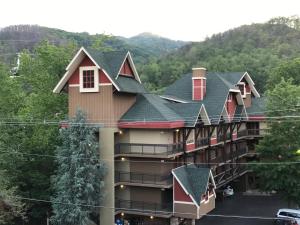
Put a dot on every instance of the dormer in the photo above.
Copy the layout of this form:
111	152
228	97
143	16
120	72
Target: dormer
103	84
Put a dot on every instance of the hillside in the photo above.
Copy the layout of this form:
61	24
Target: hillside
256	48
14	39
155	44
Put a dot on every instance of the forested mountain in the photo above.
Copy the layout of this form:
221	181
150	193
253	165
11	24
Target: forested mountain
256	48
155	44
16	38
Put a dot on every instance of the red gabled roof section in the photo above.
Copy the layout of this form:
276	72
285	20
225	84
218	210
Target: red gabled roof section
86	61
151	124
126	69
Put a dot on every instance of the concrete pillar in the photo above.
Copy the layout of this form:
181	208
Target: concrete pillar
193	222
106	142
174	221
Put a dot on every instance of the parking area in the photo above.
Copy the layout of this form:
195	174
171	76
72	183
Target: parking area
244	206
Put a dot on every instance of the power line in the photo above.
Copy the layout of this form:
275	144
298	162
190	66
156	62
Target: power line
146	211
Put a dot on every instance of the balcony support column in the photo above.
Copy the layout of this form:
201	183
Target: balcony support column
106	143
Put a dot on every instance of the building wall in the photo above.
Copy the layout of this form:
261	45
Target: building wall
248	100
147	136
153	195
206	207
92	104
185	210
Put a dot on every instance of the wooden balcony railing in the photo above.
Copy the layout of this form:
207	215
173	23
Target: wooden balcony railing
145	207
202	142
148	149
251	132
140	178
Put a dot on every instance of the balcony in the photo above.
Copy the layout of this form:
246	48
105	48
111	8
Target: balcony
140	179
202	142
148	150
144	208
252	133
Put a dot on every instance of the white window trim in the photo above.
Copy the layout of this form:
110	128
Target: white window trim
243	83
96	79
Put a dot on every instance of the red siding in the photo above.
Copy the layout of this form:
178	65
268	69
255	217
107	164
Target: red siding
199	89
231	106
126	69
179	194
197	95
74	79
213	141
190	146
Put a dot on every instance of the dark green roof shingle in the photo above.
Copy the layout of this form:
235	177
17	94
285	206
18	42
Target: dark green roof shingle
111	62
194	180
149	108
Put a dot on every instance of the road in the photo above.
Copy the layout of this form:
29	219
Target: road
240	205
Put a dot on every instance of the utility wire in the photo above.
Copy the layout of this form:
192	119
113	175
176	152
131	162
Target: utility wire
146	211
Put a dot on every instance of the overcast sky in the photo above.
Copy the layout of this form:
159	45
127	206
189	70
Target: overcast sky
190	20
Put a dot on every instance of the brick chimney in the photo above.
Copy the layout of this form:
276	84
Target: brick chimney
199	83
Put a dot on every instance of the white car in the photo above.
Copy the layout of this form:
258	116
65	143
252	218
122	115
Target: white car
289	214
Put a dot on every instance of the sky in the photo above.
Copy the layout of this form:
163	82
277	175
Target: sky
188	20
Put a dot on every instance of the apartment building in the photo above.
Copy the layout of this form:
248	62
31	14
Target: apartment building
167	155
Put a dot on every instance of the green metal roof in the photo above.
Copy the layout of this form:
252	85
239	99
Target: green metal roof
218	86
188	112
149	108
111	62
194	180
258	107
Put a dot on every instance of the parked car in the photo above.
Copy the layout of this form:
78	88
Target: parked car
228	191
288	217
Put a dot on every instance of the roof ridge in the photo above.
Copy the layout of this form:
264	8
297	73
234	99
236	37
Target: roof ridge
155	104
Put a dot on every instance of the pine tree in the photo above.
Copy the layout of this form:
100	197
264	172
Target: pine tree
79	180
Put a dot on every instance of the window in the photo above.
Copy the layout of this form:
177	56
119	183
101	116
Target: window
242	88
89	79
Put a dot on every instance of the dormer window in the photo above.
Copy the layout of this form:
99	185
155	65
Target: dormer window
230	97
89	79
242	88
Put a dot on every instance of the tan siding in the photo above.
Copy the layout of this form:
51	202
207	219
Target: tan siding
92	104
122	102
151	136
207	207
185	210
104	106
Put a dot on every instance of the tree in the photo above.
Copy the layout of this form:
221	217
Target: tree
288	70
281	143
29	99
79	179
10	205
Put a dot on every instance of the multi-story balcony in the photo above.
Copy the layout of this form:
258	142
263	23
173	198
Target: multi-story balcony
142	179
144	208
149	150
202	142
